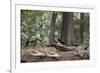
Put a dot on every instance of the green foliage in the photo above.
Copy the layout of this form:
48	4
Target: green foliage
34	27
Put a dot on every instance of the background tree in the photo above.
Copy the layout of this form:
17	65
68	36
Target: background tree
82	28
52	28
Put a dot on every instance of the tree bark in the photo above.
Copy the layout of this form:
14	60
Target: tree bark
67	31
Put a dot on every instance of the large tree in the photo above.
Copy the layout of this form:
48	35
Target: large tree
67	31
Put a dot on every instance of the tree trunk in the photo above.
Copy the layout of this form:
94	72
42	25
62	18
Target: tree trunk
52	28
82	28
67	32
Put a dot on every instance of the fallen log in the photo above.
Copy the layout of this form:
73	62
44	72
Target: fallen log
30	56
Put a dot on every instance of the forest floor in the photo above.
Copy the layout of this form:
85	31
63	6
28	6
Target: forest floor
52	54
